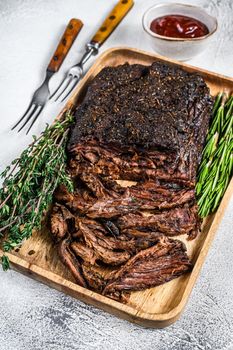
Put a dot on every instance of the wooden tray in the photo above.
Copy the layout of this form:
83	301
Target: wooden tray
155	307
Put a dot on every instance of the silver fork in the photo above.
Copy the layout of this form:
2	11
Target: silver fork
76	72
41	95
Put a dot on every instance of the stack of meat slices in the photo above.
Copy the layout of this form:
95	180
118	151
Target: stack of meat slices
133	156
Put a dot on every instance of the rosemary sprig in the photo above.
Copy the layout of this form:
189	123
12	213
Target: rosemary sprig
29	183
216	168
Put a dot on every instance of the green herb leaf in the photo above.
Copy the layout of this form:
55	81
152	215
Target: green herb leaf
5	263
29	183
216	168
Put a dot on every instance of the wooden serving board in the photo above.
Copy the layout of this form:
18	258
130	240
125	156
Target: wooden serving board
155	307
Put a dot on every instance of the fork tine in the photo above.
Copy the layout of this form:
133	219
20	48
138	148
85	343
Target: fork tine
35	118
69	80
59	86
28	109
29	117
69	92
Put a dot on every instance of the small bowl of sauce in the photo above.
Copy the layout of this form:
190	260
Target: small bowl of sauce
179	31
178	26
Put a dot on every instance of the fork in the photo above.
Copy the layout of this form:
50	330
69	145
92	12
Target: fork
76	72
41	95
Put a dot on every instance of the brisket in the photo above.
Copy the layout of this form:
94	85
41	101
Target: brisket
160	106
161	263
70	260
95	241
171	222
84	252
133	155
60	218
95	280
144	197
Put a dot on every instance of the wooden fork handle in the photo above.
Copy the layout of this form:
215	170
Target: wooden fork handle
73	28
112	21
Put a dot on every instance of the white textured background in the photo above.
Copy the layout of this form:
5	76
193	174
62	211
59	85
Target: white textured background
33	316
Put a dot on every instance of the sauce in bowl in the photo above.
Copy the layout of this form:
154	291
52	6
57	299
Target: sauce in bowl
178	26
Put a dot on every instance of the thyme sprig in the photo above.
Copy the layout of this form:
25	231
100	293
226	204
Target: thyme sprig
29	183
216	168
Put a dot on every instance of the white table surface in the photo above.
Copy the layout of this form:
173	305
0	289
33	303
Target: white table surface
33	316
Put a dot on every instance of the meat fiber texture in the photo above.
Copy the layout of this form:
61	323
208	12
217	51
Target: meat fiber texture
133	155
157	107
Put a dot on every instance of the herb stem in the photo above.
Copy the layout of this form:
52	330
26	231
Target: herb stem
215	170
29	183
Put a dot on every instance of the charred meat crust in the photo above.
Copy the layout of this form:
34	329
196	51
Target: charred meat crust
146	125
160	106
143	90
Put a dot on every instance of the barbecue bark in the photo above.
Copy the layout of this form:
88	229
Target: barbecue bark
145	125
157	107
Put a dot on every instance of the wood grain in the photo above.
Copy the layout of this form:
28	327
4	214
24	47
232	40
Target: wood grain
73	28
155	307
114	18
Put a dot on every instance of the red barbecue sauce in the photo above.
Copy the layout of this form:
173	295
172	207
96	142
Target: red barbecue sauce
178	26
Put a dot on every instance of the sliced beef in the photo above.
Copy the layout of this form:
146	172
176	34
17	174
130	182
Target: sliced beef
111	228
160	196
146	196
60	216
145	125
61	194
110	208
70	260
171	222
95	185
143	234
151	267
161	106
111	203
95	280
80	200
108	256
128	157
82	251
135	166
